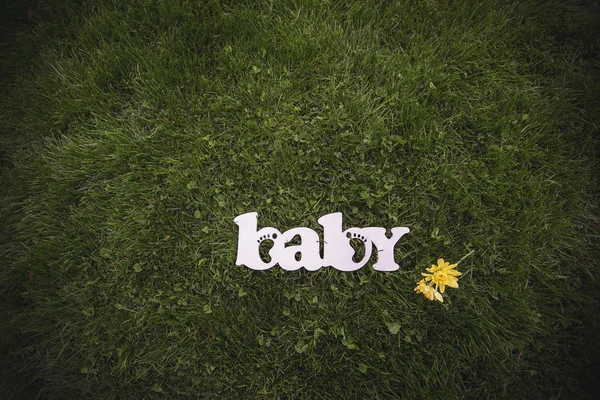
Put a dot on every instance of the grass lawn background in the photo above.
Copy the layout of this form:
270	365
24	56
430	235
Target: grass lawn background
133	133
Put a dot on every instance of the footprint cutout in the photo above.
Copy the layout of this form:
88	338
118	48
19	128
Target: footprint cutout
359	251
265	244
359	237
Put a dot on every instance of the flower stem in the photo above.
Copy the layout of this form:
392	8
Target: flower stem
471	252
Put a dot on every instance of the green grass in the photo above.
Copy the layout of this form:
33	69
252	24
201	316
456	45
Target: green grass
133	133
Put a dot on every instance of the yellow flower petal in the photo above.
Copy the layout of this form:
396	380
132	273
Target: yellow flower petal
452	284
439	297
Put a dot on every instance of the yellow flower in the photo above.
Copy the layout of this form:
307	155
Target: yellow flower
443	274
428	291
